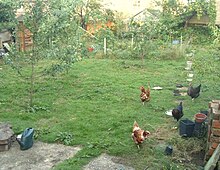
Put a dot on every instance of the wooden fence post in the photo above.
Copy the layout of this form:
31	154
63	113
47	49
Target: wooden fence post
105	49
132	40
211	164
0	43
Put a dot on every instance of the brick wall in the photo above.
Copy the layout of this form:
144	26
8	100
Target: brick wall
213	138
218	12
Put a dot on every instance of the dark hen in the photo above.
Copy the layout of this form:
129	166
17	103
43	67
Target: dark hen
177	113
194	92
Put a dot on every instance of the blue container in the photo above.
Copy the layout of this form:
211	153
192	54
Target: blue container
26	140
175	42
186	128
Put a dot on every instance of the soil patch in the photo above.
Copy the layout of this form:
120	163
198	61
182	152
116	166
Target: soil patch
106	162
42	156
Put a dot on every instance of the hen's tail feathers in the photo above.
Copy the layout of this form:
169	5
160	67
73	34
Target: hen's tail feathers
197	89
135	124
142	89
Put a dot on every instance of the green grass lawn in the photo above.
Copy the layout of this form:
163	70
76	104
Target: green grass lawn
98	101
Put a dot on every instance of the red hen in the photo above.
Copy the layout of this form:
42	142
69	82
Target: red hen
145	94
139	135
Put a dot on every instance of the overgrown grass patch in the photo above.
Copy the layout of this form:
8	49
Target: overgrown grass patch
97	103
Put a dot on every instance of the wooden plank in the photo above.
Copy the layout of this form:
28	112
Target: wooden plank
0	43
217	12
211	164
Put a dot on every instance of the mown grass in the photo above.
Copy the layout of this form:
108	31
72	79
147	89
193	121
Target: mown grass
98	101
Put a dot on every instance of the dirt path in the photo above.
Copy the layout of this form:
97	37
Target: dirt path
44	156
41	156
106	162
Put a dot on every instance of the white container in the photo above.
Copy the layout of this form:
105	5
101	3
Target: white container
190	75
188	65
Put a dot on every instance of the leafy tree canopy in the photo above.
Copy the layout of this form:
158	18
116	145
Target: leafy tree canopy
7	15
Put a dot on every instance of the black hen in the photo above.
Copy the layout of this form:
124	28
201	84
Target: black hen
177	113
193	92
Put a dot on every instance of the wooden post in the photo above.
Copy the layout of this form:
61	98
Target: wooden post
105	49
88	32
211	164
181	45
132	40
0	43
181	40
22	36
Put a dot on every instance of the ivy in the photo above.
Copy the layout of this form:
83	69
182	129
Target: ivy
201	7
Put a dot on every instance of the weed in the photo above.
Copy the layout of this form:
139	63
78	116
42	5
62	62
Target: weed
38	133
64	137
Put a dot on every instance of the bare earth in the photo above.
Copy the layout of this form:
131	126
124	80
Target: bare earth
41	156
106	162
44	156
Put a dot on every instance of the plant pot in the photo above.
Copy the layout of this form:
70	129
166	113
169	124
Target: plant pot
200	117
90	49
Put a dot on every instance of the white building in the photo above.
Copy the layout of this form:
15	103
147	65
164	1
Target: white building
130	8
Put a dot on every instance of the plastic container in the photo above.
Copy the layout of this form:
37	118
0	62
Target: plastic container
200	117
90	49
186	128
169	150
26	140
200	129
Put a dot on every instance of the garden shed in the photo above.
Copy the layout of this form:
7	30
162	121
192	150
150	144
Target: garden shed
24	40
204	20
24	36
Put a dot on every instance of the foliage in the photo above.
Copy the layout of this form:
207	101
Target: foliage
201	8
99	99
49	24
207	62
7	14
91	11
153	37
39	132
64	137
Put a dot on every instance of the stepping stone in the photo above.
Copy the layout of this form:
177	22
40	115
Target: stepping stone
190	75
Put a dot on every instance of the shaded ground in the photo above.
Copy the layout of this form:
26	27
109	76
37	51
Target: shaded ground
41	156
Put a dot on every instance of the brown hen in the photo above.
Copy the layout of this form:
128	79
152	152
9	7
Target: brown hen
145	94
139	135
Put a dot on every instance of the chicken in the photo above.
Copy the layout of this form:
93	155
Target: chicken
139	135
177	113
145	94
193	92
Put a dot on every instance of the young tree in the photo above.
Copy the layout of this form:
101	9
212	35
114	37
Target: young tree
56	40
57	36
91	10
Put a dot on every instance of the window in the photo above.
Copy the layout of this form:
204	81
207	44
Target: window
137	3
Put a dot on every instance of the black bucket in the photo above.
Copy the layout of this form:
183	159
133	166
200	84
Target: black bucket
186	128
200	129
